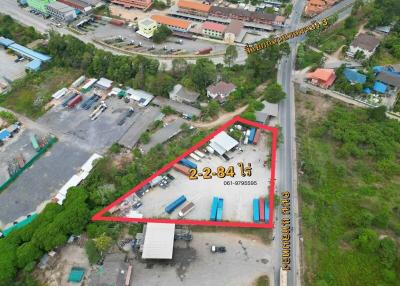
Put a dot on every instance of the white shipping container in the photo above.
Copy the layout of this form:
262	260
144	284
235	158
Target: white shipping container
200	154
194	156
209	149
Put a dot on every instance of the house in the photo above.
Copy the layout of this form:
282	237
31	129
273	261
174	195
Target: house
364	43
181	94
194	8
213	30
322	77
315	7
147	27
380	87
390	78
354	76
177	25
220	91
270	110
233	32
138	4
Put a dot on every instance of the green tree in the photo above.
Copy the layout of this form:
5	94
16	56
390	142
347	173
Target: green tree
92	251
161	34
8	261
179	67
103	243
231	55
273	93
27	253
212	109
145	137
203	74
367	240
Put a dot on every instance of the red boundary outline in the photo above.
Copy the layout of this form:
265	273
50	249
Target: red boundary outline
99	216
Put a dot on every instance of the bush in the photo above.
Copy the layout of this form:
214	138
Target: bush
92	252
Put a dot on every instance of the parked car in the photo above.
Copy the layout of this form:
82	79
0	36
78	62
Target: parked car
219	249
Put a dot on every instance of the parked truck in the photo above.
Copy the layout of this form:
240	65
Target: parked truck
257	136
186	209
188	163
182	169
256	210
172	206
262	209
214	207
220	209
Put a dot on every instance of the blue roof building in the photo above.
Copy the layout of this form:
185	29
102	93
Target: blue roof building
354	76
380	87
4	134
367	90
34	65
6	42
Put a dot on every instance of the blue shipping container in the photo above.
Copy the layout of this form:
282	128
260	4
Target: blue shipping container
252	134
214	206
220	209
266	210
172	206
256	210
188	163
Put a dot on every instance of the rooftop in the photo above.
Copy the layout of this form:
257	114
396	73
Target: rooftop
183	93
354	76
158	241
222	142
194	6
234	27
390	78
213	26
161	19
221	88
365	42
321	74
60	6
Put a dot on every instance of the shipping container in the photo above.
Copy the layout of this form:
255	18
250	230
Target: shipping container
117	22
182	169
262	209
188	163
204	51
200	154
252	134
172	206
186	209
220	209
214	207
266	210
209	149
34	142
194	156
65	103
257	136
75	101
256	211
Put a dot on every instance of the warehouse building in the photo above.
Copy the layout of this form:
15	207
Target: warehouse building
223	143
40	5
143	98
177	25
234	32
80	5
61	12
158	241
104	83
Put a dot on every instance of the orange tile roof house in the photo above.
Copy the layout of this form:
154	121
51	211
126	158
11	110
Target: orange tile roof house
322	77
172	23
139	4
194	8
315	7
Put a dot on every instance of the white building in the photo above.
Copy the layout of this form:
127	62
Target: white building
147	27
104	83
364	43
158	241
223	143
61	11
181	94
143	98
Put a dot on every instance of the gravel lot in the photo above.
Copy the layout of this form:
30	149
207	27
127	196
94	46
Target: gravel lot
237	199
193	264
10	69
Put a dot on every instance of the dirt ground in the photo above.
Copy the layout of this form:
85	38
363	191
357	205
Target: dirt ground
70	256
312	107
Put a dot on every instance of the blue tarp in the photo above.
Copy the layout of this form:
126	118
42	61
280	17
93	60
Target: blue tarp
367	90
354	76
380	87
4	134
378	68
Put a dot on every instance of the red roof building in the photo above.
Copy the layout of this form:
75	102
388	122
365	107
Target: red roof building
322	77
193	8
139	4
213	30
172	23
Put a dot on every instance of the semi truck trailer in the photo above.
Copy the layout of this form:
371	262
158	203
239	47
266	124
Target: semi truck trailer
220	209
186	209
252	134
256	210
172	206
182	169
188	163
257	136
214	207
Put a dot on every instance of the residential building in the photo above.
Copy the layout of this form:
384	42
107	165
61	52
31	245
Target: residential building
174	24
147	27
80	5
220	91
61	11
390	78
213	30
270	110
315	7
233	32
380	87
364	43
181	94
194	8
354	76
322	77
40	5
138	4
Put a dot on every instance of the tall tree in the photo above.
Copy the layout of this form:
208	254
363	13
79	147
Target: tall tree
231	55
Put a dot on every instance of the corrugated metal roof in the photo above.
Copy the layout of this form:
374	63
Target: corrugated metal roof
169	21
6	42
354	76
29	53
223	143
158	241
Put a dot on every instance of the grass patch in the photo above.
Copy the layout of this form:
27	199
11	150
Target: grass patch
8	117
30	94
264	234
307	57
262	281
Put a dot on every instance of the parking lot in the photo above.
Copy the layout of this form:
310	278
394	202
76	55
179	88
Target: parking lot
9	69
246	259
238	199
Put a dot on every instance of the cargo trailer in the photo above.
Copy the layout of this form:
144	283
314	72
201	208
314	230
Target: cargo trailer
186	209
220	209
257	136
252	134
266	210
200	154
256	211
262	209
172	206
204	51
188	163
214	207
182	169
65	103
209	149
75	101
194	156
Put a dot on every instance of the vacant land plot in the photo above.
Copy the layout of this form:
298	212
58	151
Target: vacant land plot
30	94
10	69
193	264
